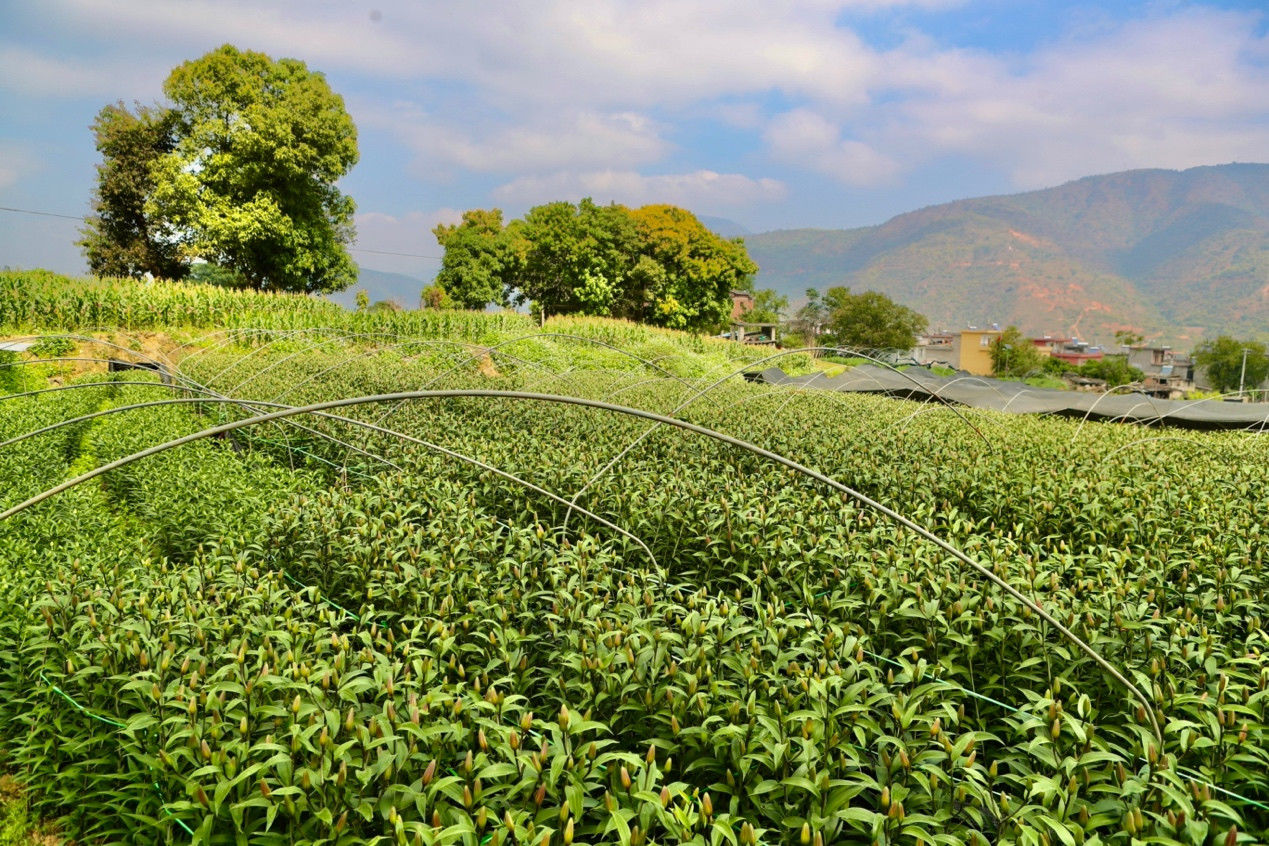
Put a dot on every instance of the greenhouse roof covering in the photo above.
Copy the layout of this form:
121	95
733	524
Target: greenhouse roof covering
999	395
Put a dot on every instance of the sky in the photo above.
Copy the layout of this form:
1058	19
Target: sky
775	115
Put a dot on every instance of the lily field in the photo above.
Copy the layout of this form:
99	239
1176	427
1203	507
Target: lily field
457	578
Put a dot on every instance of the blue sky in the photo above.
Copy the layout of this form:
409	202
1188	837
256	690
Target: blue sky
825	113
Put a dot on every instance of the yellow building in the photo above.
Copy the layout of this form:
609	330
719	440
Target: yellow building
972	350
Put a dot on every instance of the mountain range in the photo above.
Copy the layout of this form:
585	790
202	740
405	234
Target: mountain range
1173	255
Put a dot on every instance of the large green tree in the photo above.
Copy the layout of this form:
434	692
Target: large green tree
698	269
573	259
479	260
249	182
119	238
869	320
1222	358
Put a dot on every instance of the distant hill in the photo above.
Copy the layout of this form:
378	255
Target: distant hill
723	227
381	285
1172	254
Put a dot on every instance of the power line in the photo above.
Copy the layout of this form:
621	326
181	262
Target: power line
43	213
390	253
83	218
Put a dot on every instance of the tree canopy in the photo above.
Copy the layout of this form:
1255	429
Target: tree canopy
656	264
1222	358
120	239
245	177
1013	354
478	256
768	306
691	272
573	259
868	320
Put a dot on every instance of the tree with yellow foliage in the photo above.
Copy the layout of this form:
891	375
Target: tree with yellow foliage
656	264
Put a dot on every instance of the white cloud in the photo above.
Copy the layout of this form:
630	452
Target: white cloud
325	33
1172	91
39	75
408	233
874	5
16	163
701	190
808	139
568	98
582	140
680	51
594	55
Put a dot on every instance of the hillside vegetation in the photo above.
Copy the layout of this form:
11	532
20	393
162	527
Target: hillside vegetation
1171	254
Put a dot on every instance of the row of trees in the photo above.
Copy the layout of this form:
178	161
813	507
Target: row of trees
656	264
233	179
1230	364
233	182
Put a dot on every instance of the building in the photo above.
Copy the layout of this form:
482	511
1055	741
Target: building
972	350
755	333
935	348
741	302
1168	374
1071	350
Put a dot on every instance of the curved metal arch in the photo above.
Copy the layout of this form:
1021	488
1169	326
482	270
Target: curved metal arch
88	339
535	336
393	347
859	497
511	477
497	348
206	396
165	371
1196	402
599	474
227	337
167	364
81	385
594	341
926	405
335	337
1103	395
231	336
1139	441
845	350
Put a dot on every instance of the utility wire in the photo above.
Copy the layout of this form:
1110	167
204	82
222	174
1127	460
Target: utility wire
83	218
391	253
43	213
